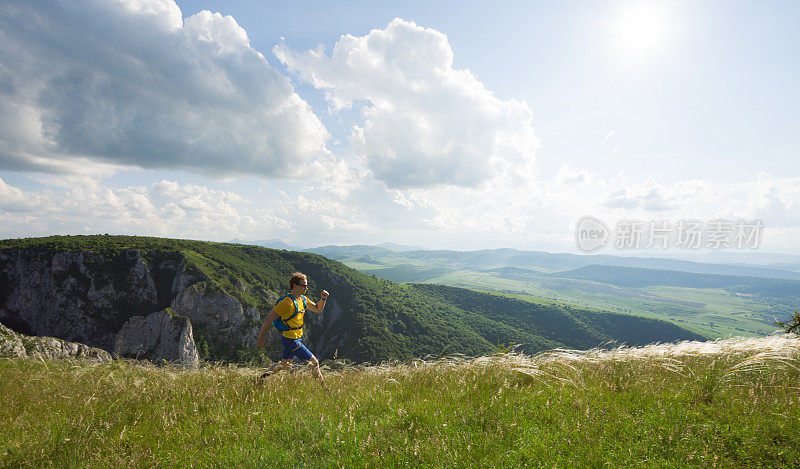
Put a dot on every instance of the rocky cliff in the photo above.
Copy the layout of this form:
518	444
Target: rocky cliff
87	297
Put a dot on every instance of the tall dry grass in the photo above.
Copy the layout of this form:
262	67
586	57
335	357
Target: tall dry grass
731	402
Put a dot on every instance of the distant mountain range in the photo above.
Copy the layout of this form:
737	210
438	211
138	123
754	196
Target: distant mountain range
280	244
550	262
768	265
268	243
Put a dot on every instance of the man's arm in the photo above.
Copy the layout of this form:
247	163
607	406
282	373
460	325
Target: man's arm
273	315
317	307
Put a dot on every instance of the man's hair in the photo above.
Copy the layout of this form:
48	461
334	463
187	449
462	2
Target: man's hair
295	280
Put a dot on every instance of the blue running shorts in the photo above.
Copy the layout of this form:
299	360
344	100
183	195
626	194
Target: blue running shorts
295	348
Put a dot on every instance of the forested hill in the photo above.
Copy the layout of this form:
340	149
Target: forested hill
367	319
572	326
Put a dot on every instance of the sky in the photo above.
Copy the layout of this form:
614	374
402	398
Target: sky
448	125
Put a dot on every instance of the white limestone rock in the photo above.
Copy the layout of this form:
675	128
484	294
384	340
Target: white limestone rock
218	313
11	343
15	345
163	335
52	348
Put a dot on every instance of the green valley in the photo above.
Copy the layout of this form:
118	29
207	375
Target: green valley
710	299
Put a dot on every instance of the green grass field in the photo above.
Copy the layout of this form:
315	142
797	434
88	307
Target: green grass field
733	403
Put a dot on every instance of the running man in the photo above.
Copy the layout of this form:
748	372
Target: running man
290	310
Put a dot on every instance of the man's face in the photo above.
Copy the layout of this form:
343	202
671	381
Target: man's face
301	287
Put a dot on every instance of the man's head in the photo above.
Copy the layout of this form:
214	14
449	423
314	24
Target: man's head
298	279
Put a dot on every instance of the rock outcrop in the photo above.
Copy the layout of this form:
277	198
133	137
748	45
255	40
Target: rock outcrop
14	345
160	336
221	315
11	344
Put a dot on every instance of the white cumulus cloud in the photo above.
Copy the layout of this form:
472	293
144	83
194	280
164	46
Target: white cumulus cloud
130	83
165	208
425	122
649	196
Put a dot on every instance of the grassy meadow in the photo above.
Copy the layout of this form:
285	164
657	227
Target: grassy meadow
727	403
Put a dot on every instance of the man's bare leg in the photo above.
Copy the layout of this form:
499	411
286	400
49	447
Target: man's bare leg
313	363
277	366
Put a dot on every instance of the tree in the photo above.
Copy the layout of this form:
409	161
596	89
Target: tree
793	325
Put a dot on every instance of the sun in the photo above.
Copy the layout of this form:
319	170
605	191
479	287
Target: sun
642	28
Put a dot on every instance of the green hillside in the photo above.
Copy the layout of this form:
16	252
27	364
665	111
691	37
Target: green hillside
558	322
379	319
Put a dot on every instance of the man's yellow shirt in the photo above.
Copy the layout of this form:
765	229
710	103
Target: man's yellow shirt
285	308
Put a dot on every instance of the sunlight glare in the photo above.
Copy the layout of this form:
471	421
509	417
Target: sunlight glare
641	28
